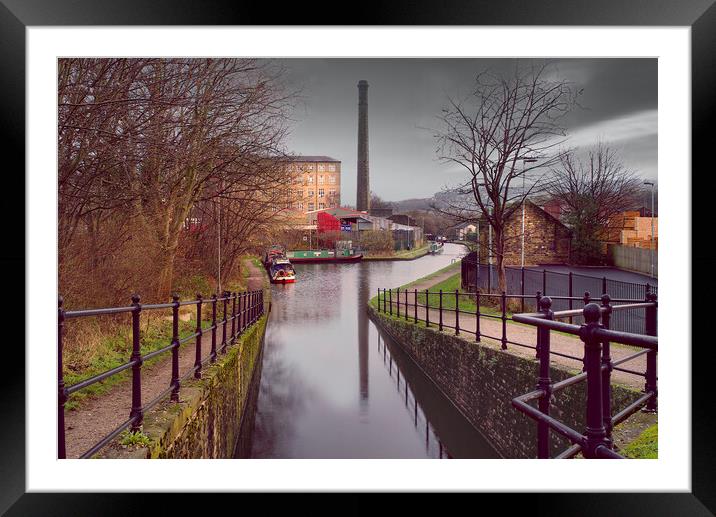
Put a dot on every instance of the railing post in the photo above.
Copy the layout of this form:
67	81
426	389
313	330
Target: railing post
604	285
457	313
489	278
243	312
175	348
570	295
440	326
416	306
477	316
379	299
503	303
651	330
427	308
224	296
544	282
397	299
213	328
199	332
61	390
587	297
136	411
522	289
607	372
539	297
233	317
406	305
385	300
390	301
252	301
596	433
544	382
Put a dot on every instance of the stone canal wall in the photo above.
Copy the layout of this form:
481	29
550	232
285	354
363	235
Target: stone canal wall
208	418
481	382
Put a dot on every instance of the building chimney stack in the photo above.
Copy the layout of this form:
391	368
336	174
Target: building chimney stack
363	193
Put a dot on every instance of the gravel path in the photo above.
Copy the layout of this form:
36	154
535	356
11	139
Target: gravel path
100	415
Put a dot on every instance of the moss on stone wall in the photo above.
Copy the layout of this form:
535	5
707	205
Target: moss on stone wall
205	423
482	381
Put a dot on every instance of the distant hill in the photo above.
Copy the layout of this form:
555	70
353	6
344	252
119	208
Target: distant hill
412	204
426	202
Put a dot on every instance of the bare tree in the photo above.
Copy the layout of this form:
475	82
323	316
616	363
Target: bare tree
593	190
490	134
378	202
142	141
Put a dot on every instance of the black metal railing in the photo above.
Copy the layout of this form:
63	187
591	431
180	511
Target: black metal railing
562	287
240	309
596	441
597	369
406	301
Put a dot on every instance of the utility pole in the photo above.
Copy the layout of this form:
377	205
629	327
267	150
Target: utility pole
219	246
524	198
651	250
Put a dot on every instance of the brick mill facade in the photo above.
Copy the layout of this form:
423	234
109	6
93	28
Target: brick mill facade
547	240
315	183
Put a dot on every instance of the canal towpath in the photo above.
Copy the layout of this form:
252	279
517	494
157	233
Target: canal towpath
515	332
100	414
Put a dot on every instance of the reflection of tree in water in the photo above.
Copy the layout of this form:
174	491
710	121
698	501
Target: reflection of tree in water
282	395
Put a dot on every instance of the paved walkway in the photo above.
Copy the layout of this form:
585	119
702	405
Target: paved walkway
100	415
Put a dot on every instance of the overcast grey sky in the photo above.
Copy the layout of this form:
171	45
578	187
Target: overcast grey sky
619	106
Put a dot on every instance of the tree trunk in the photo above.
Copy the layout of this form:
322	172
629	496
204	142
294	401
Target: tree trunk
499	252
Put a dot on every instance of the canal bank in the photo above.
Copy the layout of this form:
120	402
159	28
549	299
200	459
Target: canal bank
481	381
401	255
214	411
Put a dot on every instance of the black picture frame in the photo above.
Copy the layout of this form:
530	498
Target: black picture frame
700	15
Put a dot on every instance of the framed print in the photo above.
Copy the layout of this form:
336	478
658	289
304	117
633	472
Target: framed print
307	256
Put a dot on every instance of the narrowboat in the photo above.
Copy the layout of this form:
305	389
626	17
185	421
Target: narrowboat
435	248
343	252
315	256
281	271
272	253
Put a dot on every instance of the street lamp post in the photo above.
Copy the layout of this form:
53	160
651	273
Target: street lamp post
651	254
524	160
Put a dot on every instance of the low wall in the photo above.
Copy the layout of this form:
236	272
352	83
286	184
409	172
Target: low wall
207	421
481	382
633	259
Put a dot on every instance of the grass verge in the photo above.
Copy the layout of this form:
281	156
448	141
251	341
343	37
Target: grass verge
646	445
401	255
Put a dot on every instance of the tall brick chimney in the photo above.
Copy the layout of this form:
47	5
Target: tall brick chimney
363	192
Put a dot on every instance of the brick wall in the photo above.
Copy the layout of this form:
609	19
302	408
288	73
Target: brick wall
547	241
482	381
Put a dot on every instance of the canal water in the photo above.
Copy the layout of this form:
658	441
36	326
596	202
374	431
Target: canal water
333	386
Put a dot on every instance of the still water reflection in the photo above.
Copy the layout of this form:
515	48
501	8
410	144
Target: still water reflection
333	386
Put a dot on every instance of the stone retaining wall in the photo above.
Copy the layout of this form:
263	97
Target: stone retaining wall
207	420
482	381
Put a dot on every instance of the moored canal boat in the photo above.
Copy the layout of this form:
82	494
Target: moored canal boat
315	256
435	247
272	253
281	271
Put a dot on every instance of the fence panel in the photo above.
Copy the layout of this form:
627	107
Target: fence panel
557	284
552	283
